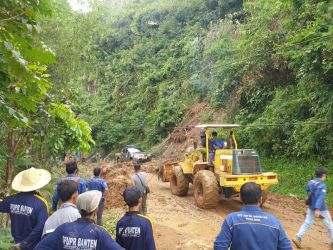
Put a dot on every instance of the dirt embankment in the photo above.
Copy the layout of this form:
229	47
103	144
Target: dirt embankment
118	177
184	135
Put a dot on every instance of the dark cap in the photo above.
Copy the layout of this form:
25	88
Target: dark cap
132	195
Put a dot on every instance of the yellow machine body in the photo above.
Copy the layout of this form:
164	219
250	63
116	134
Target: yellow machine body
224	165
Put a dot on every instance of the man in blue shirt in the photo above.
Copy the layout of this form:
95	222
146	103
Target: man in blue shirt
316	190
135	231
72	171
97	183
83	233
27	209
213	144
251	228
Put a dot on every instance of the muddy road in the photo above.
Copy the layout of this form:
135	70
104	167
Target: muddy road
179	224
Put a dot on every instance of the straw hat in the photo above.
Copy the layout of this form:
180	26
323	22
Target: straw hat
31	179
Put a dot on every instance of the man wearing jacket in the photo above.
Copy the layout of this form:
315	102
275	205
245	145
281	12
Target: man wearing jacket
251	228
27	209
134	231
316	190
72	171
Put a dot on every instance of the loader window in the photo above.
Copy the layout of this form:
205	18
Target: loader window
246	164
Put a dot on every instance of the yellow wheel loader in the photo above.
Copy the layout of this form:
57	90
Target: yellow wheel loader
216	171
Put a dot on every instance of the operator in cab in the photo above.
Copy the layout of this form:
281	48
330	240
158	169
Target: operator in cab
213	144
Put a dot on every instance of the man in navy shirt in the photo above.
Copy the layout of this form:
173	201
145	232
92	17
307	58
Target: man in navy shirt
83	233
97	183
251	228
27	209
72	171
135	231
316	190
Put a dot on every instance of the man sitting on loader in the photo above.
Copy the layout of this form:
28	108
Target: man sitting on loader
213	144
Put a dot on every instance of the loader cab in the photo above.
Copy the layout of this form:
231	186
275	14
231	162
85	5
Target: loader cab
230	143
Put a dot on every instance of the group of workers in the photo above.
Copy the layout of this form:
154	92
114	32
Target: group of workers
72	225
96	183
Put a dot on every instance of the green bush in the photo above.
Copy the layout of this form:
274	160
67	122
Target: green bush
293	175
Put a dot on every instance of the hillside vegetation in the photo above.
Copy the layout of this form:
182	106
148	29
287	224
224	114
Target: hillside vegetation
131	69
145	62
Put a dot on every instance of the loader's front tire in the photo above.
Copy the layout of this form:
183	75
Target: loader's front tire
179	183
206	189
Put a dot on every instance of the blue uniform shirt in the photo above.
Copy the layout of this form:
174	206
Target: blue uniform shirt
81	188
97	183
138	233
28	213
251	229
318	191
82	234
219	143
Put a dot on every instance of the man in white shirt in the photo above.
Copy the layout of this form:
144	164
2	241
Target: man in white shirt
139	179
68	211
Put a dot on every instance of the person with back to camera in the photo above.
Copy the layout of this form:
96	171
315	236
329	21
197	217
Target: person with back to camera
82	234
139	179
27	209
72	171
251	228
68	211
134	231
97	183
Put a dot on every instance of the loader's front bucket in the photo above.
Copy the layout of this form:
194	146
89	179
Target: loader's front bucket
165	171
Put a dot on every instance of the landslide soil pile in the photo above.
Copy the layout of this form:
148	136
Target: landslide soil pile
184	135
118	177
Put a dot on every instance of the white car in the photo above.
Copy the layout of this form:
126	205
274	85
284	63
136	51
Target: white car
130	153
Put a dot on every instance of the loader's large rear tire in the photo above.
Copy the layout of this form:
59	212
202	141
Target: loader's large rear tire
179	184
206	189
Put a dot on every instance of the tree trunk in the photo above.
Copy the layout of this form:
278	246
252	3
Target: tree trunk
12	147
10	160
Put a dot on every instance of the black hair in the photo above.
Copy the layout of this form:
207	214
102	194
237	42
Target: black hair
133	204
214	133
97	171
320	172
137	167
71	167
85	214
66	190
250	193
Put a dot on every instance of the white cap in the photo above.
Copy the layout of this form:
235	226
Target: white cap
88	201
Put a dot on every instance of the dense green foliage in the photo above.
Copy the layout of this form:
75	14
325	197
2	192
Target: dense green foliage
294	175
283	70
132	68
143	63
37	125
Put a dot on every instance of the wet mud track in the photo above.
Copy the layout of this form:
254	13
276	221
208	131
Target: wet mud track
179	224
